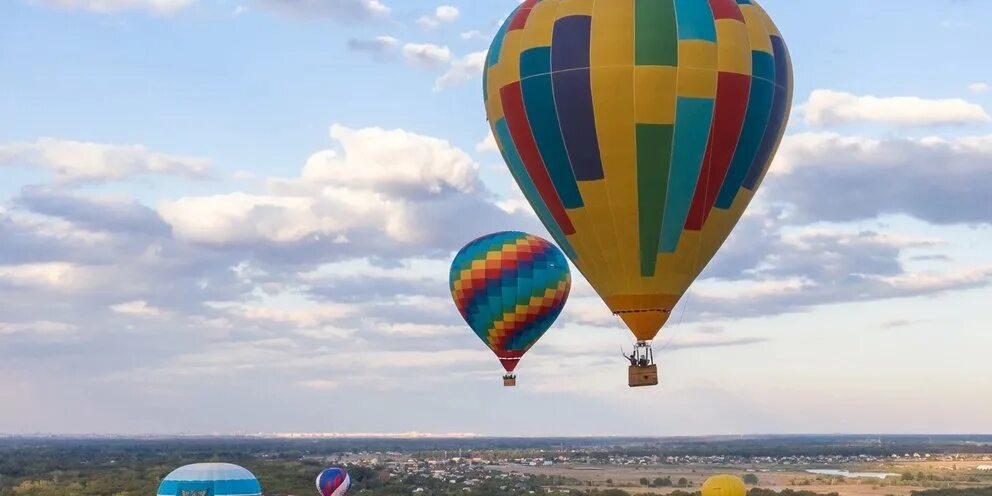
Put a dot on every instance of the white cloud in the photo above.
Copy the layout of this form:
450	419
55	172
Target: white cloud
345	10
488	144
241	217
427	55
827	107
384	191
931	282
462	70
442	14
305	318
381	47
111	6
42	327
424	330
74	161
320	385
137	308
952	24
60	276
446	13
369	186
376	158
979	87
474	34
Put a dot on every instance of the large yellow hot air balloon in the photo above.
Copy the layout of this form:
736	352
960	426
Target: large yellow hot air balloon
639	131
724	485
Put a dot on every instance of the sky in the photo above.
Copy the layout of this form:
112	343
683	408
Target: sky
222	216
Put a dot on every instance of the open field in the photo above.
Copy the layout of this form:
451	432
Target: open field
962	474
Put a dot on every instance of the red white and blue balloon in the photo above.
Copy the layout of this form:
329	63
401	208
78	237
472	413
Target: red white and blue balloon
333	481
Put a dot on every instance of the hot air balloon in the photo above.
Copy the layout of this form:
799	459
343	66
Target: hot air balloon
333	481
639	131
510	287
210	479
724	485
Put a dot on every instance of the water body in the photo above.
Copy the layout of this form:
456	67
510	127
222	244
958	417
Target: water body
847	474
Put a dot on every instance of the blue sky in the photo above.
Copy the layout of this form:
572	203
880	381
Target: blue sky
245	210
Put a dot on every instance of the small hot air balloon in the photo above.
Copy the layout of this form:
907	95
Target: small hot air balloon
639	131
510	287
333	481
724	485
210	479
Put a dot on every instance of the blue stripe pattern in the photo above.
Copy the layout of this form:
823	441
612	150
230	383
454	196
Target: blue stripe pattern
519	172
759	109
539	101
695	20
573	86
778	116
694	117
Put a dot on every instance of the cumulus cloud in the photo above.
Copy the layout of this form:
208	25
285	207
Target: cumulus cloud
383	193
137	308
75	161
93	215
55	276
827	107
393	160
308	317
426	55
979	87
111	6
42	327
462	70
320	385
798	296
830	177
442	14
334	278
488	144
381	48
345	10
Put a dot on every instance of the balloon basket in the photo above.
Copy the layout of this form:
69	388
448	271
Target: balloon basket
643	375
509	380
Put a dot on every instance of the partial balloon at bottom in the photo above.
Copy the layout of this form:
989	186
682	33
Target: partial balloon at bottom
333	481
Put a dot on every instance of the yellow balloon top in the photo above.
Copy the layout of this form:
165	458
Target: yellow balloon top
724	485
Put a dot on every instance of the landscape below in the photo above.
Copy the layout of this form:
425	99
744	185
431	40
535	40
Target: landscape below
777	465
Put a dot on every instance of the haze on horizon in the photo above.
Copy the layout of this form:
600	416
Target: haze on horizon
223	216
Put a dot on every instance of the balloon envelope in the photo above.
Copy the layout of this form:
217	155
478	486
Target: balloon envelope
639	131
333	481
210	479
724	485
510	287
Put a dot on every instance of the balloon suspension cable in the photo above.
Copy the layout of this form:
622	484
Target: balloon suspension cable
622	334
677	326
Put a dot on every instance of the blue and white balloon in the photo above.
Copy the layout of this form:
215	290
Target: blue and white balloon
210	479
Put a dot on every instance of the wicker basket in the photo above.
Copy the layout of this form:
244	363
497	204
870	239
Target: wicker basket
639	376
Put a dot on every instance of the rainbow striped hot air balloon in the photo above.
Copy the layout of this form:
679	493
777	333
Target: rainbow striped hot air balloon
639	130
510	287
